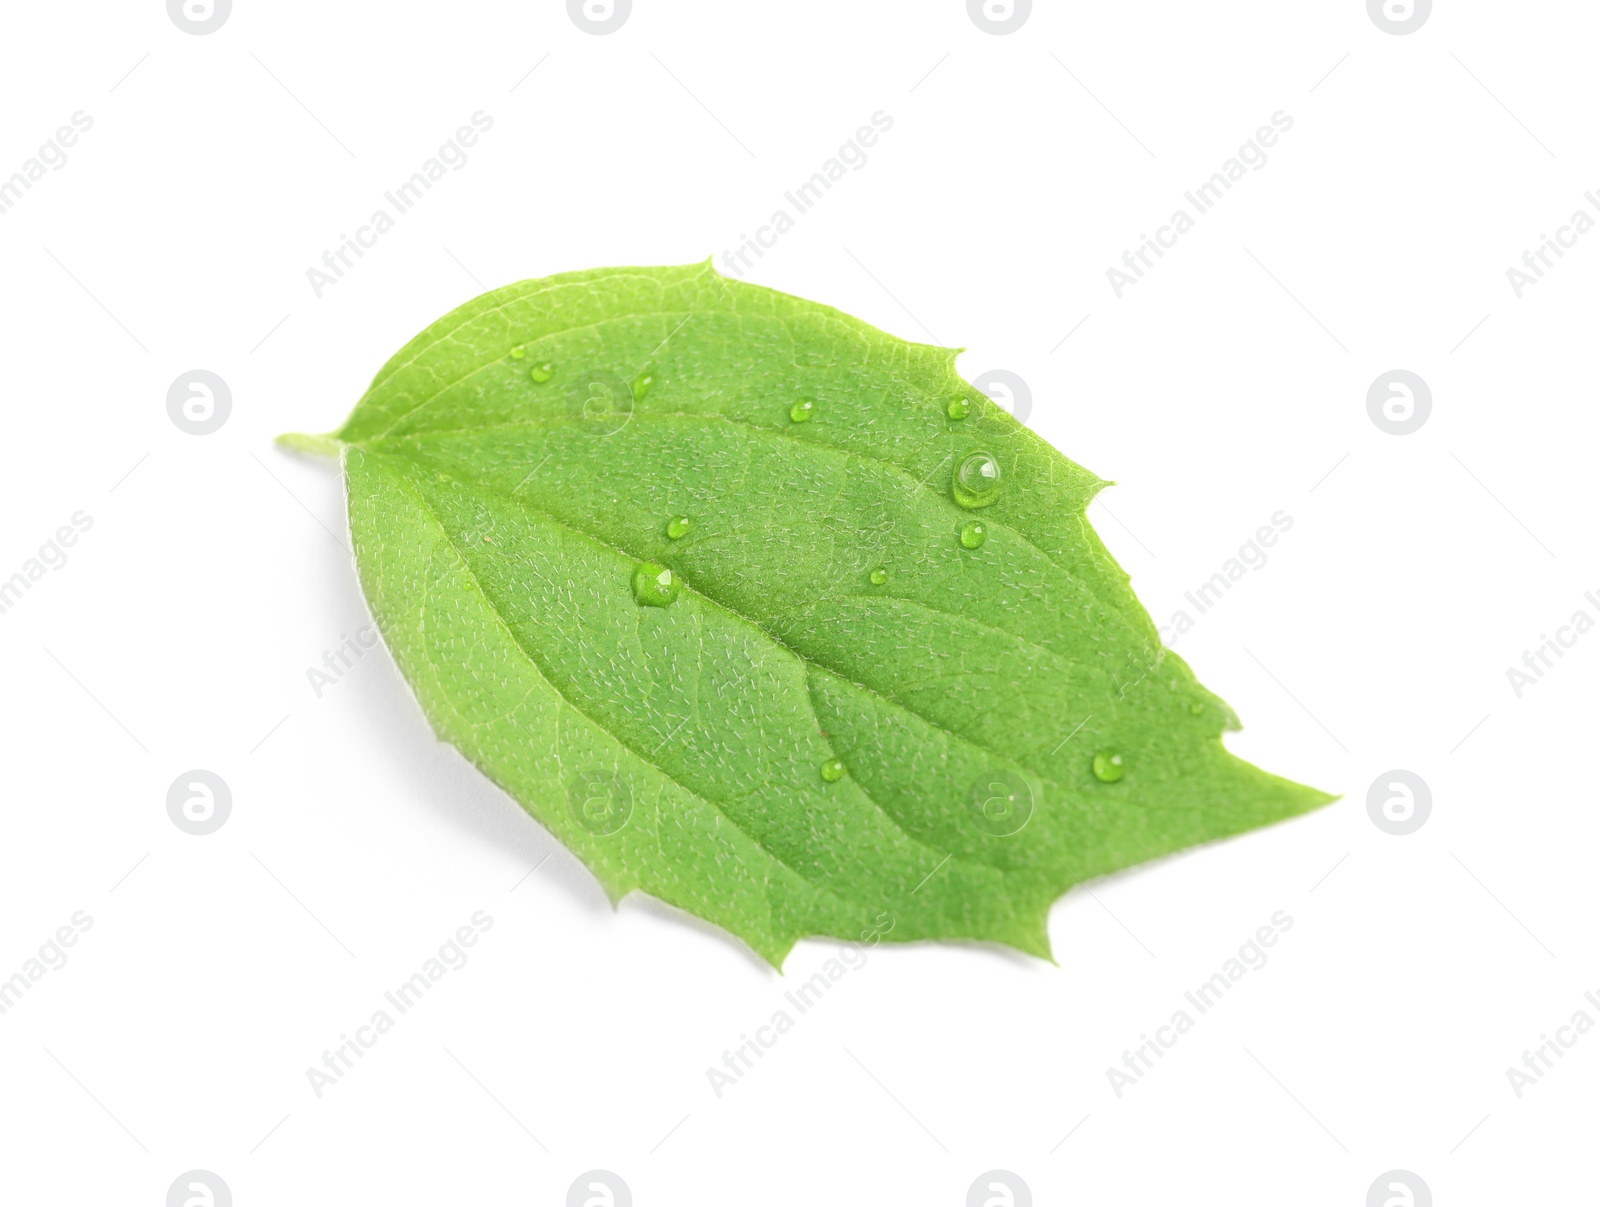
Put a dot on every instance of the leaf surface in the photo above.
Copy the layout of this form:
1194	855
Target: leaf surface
834	715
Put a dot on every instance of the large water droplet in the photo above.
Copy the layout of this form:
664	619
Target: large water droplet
1108	768
973	535
833	770
958	409
542	372
641	385
655	586
977	480
678	526
801	411
879	576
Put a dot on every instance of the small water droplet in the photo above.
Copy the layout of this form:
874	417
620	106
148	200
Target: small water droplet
833	770
879	576
973	535
518	352
641	385
1108	768
977	480
958	409
801	411
542	372
655	586
1197	708
678	526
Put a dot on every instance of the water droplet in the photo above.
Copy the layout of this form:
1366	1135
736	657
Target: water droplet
1108	768
879	576
518	352
833	770
655	586
973	535
542	372
977	480
958	409
641	385
1197	708
801	411
678	526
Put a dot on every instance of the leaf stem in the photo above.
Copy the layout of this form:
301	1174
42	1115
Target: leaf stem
323	446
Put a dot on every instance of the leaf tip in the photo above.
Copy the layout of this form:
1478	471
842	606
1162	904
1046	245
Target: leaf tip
1033	938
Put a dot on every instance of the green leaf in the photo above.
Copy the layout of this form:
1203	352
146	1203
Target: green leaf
679	563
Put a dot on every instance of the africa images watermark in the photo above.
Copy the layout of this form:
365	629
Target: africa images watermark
1251	958
451	957
51	958
1252	555
339	660
1537	261
1543	657
850	958
450	157
1538	1062
851	155
1251	157
52	555
51	156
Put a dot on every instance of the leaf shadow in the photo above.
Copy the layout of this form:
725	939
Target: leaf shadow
665	911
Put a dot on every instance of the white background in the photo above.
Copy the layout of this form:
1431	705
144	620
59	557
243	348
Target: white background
1228	384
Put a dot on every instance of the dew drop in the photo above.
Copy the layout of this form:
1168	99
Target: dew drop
1197	708
977	480
833	770
958	409
655	586
518	352
542	372
678	527
641	385
973	535
879	576
801	411
1108	768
